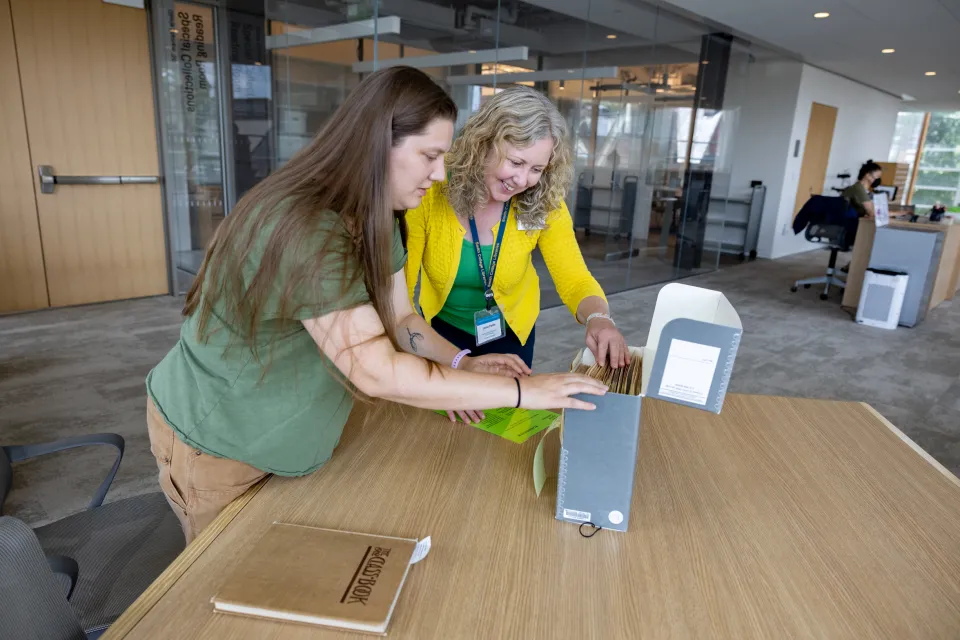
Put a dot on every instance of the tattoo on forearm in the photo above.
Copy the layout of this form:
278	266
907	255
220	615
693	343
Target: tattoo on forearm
414	336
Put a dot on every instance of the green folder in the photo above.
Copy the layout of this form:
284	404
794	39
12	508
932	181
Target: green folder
516	425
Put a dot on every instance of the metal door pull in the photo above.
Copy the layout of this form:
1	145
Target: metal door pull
48	180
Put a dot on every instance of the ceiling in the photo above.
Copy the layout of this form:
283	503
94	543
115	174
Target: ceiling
574	33
559	33
925	34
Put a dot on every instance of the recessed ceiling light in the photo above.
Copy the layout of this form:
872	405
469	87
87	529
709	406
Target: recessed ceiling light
821	14
930	73
612	36
888	51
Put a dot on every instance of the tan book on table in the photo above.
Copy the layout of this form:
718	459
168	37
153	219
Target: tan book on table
318	576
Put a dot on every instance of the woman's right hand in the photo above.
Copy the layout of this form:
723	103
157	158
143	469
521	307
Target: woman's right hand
553	391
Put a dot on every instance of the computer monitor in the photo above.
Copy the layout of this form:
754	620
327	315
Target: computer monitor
891	192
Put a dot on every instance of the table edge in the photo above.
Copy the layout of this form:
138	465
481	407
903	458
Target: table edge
130	618
913	445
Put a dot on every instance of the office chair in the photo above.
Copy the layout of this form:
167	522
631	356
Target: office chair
835	237
98	561
843	178
628	204
33	601
584	204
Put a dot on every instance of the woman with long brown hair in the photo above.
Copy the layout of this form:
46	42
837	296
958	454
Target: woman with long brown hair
301	299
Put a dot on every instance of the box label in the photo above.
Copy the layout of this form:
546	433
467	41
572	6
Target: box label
689	370
573	514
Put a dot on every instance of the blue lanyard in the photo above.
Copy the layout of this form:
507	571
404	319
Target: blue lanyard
495	255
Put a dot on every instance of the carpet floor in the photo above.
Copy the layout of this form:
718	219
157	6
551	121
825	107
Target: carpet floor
81	370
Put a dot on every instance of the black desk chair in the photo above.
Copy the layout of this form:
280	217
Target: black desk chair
72	578
834	236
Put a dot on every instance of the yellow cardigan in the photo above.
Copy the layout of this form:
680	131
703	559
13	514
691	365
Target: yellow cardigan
435	239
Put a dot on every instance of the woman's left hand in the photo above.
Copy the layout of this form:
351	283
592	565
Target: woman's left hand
500	364
603	339
468	416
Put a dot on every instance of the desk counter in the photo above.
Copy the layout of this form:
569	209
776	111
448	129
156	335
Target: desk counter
947	277
779	518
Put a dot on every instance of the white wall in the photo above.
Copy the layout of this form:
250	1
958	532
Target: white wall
864	130
774	100
765	94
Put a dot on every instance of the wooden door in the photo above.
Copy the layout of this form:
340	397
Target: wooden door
88	97
22	283
816	153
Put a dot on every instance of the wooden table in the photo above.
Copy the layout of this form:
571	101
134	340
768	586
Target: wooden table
779	518
947	280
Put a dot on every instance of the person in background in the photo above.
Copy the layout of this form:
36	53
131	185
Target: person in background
301	302
859	194
937	212
471	240
859	197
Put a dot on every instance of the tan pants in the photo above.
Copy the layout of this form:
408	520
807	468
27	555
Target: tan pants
197	485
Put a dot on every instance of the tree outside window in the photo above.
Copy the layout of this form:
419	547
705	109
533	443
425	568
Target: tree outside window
938	177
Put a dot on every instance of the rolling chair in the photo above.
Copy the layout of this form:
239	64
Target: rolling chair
584	204
834	236
845	182
97	561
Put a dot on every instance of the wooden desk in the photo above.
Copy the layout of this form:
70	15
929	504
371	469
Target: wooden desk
948	269
780	518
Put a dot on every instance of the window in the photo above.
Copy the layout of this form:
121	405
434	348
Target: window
938	176
906	141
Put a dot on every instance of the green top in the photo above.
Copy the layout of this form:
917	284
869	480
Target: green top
856	194
466	296
285	419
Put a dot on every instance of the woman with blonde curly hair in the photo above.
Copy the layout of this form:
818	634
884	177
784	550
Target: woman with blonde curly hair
472	236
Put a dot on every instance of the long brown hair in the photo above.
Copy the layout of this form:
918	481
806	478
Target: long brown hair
344	170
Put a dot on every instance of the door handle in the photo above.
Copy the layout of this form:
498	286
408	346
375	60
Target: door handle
48	179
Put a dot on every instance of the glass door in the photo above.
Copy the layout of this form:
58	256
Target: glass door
613	200
190	85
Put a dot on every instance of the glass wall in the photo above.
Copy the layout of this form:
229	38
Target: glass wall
214	90
651	102
189	94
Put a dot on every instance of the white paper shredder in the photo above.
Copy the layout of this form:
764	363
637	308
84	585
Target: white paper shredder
882	298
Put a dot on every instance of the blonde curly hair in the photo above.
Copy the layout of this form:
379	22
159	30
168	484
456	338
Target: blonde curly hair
518	116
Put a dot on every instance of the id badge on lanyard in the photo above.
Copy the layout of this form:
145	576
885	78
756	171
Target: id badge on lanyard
488	323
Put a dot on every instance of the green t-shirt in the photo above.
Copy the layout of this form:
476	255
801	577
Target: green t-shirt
856	194
466	297
287	421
